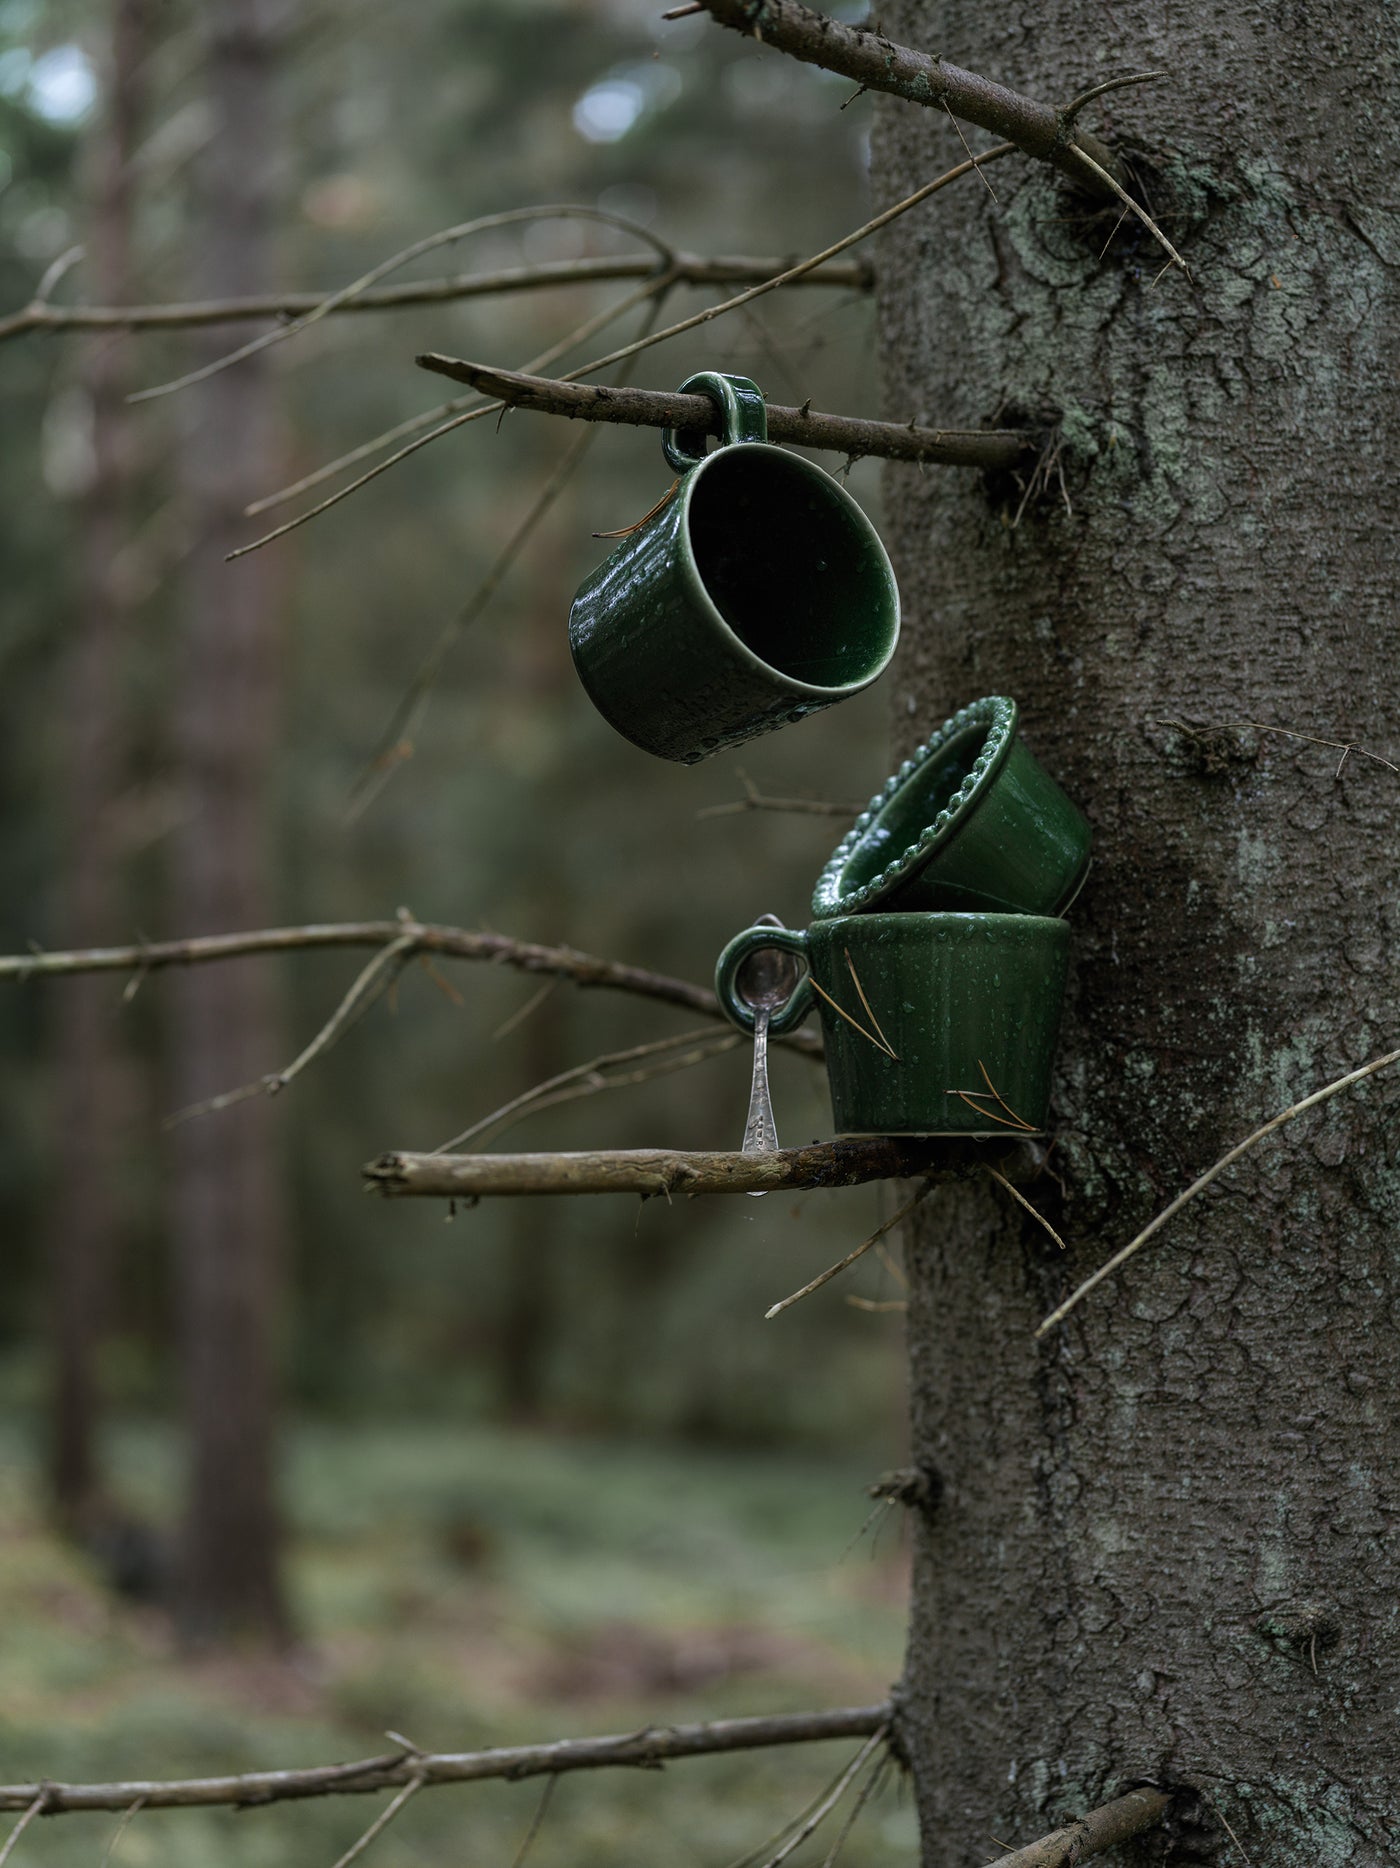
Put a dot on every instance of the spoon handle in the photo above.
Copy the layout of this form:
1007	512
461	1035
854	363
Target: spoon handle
760	1131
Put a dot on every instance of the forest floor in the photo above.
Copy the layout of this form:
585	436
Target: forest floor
467	1588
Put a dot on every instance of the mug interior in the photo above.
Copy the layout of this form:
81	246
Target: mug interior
795	571
903	819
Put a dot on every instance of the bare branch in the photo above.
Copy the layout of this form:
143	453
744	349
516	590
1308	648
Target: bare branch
846	1162
804	427
692	269
35	1802
789	277
1134	207
666	1055
825	1277
652	1746
368	985
386	757
829	1802
1199	1186
447	236
1101	1829
877	63
754	800
1034	1211
452	943
1346	747
459	412
382	1821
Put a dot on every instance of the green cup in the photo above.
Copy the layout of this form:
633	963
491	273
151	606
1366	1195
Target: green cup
759	593
934	1024
972	821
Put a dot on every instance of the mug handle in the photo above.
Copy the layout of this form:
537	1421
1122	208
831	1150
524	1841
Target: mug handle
798	1003
743	411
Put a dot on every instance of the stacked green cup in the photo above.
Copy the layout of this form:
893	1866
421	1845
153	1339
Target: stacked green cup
937	953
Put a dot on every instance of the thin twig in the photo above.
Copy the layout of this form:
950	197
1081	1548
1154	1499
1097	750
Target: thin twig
522	1012
849	435
368	985
1134	207
966	145
1199	1186
867	1790
832	1271
123	1824
1101	1829
382	1821
1073	108
787	277
654	1745
753	800
472	410
588	1079
1344	746
409	711
846	1162
536	1822
829	1801
1034	1212
36	1806
869	58
447	236
692	269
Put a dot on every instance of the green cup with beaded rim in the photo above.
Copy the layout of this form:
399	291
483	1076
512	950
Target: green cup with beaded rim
756	594
933	1024
971	822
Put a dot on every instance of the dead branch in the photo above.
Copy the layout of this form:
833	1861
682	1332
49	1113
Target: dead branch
424	937
1346	747
754	800
693	269
845	1162
650	1747
878	64
824	1277
850	435
1199	1186
1101	1829
658	283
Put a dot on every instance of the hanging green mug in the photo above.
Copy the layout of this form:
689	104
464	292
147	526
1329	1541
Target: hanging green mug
757	594
934	1024
972	821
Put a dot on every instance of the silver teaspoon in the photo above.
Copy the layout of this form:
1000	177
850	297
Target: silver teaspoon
765	981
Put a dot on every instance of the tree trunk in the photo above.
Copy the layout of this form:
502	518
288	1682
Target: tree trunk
227	1200
1165	1544
85	1223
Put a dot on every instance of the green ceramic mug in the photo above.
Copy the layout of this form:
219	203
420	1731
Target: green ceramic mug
972	821
759	593
934	1024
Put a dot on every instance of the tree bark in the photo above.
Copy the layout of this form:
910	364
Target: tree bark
86	1220
228	1212
1164	1549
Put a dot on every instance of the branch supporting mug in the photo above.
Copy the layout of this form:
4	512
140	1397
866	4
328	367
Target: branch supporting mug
934	1024
972	821
758	594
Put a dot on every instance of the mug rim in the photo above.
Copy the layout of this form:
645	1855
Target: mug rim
801	690
1000	715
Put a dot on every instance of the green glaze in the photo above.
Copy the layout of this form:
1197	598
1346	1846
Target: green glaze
972	821
759	593
951	994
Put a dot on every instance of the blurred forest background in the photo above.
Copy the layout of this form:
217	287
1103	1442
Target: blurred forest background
545	1469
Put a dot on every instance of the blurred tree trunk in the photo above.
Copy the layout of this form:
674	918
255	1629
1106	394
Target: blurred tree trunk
1166	1548
86	1221
228	1207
